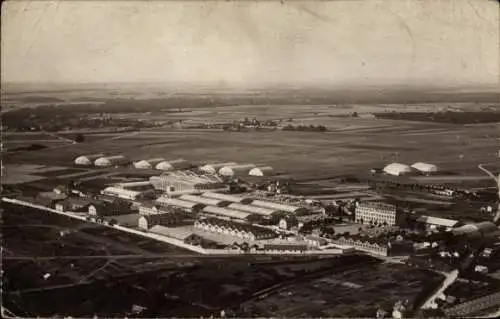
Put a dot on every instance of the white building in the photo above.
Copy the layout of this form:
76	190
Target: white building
277	206
433	222
397	169
215	167
261	171
376	213
148	163
87	160
236	170
425	168
126	193
111	161
175	165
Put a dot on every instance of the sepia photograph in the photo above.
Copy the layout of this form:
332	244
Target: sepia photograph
250	159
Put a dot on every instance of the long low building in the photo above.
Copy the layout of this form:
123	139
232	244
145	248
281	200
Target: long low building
252	209
225	212
127	193
204	200
278	206
243	231
173	202
227	197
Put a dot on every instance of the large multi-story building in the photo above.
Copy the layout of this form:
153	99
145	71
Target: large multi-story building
376	213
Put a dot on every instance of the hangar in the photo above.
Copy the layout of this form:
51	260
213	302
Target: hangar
215	167
261	171
236	170
397	169
111	161
148	163
175	165
425	168
87	160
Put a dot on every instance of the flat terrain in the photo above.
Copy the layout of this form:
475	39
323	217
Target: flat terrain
352	144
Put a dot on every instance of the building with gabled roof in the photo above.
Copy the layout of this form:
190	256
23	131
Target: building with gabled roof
166	219
397	169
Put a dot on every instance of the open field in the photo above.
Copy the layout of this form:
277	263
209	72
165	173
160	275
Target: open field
358	145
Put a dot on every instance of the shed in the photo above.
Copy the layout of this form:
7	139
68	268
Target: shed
175	165
277	206
424	167
215	167
87	160
261	171
449	223
397	169
224	212
252	209
204	200
111	161
236	170
148	163
227	197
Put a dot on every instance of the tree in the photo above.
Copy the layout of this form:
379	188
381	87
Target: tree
79	138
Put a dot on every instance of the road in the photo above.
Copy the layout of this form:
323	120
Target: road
430	303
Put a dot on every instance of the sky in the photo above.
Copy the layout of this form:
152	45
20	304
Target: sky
413	42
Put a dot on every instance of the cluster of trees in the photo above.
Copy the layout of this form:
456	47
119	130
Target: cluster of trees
305	128
444	117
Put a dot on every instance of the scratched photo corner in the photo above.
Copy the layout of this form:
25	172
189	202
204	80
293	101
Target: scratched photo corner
250	159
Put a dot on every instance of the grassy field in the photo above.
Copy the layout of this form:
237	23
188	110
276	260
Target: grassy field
456	148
